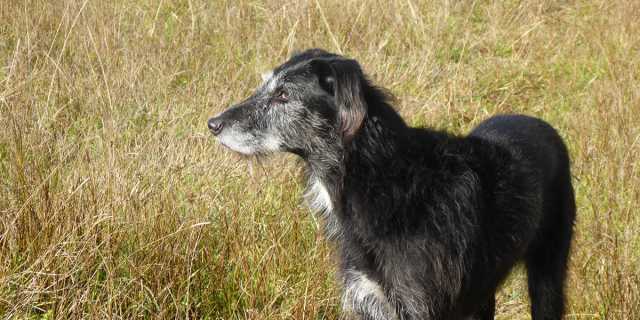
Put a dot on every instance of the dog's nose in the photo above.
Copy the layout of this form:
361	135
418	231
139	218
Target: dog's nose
215	125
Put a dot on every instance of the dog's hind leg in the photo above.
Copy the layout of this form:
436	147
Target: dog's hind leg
547	259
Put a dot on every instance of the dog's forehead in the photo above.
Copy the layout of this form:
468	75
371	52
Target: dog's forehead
272	79
266	76
294	66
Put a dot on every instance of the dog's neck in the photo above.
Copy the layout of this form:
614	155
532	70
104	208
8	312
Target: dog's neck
324	184
368	153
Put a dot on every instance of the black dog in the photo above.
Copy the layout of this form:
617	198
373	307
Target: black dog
427	224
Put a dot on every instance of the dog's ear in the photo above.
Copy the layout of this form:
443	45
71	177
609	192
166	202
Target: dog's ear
326	76
344	79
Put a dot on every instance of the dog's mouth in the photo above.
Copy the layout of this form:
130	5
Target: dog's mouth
247	144
235	145
224	145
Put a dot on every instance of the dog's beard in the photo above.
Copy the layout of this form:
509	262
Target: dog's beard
249	144
246	147
241	146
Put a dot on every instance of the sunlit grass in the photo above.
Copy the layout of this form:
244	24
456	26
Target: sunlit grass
116	203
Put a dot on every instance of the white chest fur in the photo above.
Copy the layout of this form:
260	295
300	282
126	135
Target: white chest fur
319	200
318	196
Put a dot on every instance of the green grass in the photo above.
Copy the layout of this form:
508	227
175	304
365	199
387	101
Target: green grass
115	202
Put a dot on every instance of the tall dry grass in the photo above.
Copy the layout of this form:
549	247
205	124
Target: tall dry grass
116	203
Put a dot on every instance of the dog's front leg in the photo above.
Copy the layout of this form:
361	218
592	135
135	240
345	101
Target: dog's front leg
365	298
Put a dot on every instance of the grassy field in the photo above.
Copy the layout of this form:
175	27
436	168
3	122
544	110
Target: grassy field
115	202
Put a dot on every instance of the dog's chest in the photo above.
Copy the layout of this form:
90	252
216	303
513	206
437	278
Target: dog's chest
318	197
319	201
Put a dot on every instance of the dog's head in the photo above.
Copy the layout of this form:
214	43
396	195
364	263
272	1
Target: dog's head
311	101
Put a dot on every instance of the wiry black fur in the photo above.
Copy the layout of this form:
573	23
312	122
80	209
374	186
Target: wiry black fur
427	224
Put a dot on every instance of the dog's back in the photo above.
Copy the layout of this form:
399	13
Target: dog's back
534	138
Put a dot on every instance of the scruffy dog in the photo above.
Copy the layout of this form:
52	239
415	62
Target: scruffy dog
427	224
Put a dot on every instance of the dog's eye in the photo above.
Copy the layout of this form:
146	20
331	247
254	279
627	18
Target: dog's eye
282	96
